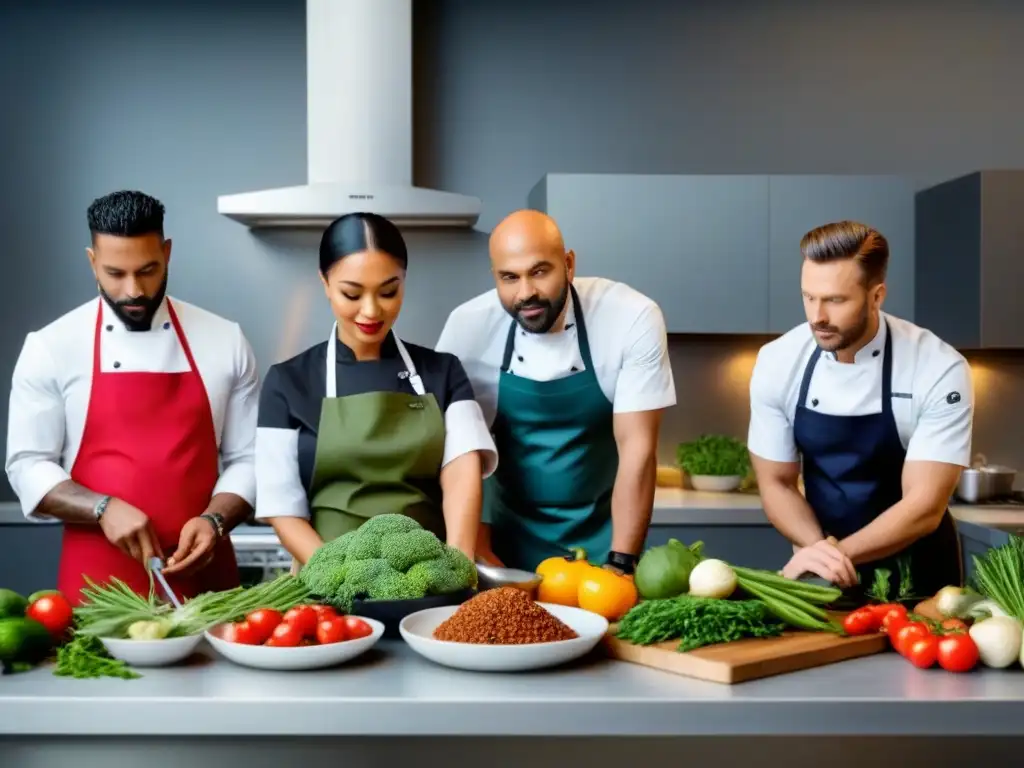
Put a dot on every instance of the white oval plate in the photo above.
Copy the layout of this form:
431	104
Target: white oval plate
417	630
300	657
151	653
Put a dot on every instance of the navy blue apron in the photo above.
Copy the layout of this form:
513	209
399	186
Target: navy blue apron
853	472
552	489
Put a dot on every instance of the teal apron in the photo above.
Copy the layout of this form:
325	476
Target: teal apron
552	490
376	453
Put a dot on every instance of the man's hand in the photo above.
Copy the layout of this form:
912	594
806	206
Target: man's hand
195	547
823	559
128	528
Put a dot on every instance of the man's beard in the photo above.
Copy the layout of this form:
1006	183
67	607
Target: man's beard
543	322
141	320
845	338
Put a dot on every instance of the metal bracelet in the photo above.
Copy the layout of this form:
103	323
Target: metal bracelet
216	521
101	506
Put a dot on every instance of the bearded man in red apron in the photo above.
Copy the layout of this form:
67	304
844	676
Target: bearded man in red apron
133	419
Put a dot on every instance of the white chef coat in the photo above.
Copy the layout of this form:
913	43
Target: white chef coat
933	399
53	379
625	329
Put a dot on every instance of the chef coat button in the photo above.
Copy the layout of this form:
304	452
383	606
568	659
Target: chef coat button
110	327
876	353
520	358
814	402
166	326
117	364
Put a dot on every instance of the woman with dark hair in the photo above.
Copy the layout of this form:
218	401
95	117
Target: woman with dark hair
363	423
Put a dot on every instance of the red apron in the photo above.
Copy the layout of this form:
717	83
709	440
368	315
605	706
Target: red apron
149	440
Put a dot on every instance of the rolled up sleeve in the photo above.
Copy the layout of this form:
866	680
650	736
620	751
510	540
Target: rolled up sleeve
645	381
35	428
944	424
238	437
465	427
279	489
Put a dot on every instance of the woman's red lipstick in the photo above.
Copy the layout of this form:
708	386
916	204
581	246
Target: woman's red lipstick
370	329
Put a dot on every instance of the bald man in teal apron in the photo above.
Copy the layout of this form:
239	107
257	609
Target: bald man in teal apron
574	375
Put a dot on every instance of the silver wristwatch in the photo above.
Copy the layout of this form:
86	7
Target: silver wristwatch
101	507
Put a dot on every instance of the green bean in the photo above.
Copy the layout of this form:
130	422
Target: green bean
786	612
771	579
784	597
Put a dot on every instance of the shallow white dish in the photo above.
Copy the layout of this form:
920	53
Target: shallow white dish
721	483
417	630
151	653
300	657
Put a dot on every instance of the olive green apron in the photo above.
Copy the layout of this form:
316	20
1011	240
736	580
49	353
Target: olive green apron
376	453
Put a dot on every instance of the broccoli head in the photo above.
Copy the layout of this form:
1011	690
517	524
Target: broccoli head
389	557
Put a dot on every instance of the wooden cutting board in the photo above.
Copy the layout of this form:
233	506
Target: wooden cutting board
749	659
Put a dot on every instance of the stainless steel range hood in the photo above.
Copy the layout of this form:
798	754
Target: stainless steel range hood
359	127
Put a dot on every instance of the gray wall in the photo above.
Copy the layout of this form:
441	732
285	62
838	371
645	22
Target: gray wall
187	102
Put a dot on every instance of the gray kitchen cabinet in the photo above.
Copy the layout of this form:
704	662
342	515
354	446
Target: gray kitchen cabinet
799	203
969	232
697	245
29	556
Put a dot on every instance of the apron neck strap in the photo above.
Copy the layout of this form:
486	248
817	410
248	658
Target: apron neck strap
331	388
581	335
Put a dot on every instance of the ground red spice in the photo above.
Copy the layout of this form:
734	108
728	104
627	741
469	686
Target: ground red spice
503	616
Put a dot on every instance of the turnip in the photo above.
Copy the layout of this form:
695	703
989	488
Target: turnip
712	578
998	640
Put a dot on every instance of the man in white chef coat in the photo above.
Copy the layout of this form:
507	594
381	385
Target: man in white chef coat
573	375
877	410
133	419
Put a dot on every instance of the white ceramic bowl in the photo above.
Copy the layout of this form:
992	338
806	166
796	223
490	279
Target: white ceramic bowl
300	657
151	653
417	630
715	482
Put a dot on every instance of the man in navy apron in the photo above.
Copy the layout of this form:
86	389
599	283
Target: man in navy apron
879	411
573	375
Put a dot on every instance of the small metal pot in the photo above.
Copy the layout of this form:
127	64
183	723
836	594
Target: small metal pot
983	482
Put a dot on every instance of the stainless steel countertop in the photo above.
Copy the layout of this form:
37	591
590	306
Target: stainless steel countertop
391	691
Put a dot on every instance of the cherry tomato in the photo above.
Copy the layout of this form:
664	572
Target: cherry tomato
861	622
957	653
324	612
356	628
304	618
954	625
263	621
880	609
242	632
285	635
53	611
895	613
907	634
923	651
331	631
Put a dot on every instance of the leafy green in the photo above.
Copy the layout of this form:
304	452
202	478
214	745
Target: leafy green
697	622
999	576
714	455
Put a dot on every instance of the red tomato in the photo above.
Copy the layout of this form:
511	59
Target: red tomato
907	634
880	609
263	622
53	611
923	651
324	612
861	622
356	628
242	632
285	635
894	614
304	618
957	653
331	631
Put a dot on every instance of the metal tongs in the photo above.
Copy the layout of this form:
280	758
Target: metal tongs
156	566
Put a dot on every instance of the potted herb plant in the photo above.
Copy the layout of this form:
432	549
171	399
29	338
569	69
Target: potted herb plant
714	462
